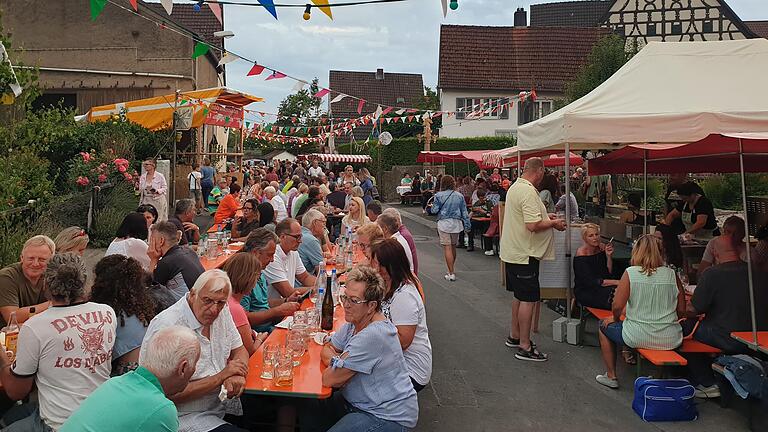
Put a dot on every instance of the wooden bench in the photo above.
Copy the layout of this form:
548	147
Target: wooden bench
410	197
600	314
694	346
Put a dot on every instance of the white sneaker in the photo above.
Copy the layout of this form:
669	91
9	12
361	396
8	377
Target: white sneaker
489	253
450	277
710	392
608	382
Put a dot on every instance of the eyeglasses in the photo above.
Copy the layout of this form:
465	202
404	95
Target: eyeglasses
207	302
247	208
295	236
349	300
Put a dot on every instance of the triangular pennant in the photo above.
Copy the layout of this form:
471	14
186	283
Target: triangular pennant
360	106
323	6
400	111
321	94
227	58
216	9
299	86
135	5
200	49
269	5
275	75
338	98
168	5
410	119
97	6
386	111
377	113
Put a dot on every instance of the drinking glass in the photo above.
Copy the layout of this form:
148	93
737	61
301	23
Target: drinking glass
300	318
295	344
284	369
212	249
269	359
313	321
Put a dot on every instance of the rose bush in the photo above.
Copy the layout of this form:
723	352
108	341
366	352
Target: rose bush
93	169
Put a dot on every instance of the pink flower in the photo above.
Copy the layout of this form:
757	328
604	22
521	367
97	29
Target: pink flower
102	178
82	181
122	168
127	176
86	156
102	166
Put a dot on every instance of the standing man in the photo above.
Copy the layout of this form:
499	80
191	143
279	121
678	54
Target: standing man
315	171
526	239
195	186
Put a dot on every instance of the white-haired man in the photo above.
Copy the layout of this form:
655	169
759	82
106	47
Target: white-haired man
277	203
406	233
21	284
312	233
170	360
223	359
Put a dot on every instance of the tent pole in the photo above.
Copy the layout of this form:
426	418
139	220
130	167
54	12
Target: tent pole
645	191
752	345
519	161
567	232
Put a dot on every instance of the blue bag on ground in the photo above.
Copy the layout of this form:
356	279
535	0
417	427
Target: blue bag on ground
662	400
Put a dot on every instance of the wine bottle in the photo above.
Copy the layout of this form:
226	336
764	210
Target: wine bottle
326	316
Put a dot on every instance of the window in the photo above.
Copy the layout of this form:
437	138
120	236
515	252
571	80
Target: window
529	111
621	31
650	29
400	100
707	27
677	28
494	108
505	133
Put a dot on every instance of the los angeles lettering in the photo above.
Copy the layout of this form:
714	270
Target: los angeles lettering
78	363
62	324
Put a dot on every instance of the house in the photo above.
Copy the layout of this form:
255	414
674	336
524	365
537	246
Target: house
490	66
651	20
121	56
376	88
277	155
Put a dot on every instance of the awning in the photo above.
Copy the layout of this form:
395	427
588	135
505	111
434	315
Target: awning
438	157
157	112
550	161
507	158
340	158
717	153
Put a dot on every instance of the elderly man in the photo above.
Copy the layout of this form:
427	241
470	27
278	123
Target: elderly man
406	233
526	239
21	284
170	360
175	267
286	268
277	203
260	309
312	234
223	358
349	193
183	217
390	226
217	194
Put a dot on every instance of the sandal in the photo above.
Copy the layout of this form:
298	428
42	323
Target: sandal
629	356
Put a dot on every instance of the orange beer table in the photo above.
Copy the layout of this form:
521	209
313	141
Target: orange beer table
213	228
307	377
746	337
209	264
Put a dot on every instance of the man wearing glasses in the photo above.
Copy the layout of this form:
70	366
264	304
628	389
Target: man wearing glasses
312	233
286	268
223	358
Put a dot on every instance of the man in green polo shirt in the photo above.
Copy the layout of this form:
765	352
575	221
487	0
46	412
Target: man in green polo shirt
138	400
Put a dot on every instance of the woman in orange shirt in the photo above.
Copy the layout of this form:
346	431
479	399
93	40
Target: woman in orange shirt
229	205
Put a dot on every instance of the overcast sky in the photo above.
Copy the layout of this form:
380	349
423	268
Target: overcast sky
399	37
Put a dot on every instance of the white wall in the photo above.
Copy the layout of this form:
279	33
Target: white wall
453	128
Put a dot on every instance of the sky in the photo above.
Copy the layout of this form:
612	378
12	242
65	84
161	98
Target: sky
398	37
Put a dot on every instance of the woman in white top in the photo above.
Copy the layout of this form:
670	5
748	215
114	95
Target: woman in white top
548	192
129	239
403	304
153	188
356	216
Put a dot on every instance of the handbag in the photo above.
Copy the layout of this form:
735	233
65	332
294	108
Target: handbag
661	400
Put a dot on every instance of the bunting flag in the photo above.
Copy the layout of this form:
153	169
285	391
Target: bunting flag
97	6
168	5
216	9
321	94
227	58
360	106
256	70
299	86
323	6
377	113
445	7
400	111
269	5
275	75
200	49
135	4
387	111
338	98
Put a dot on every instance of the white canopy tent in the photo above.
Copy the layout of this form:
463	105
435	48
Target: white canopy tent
668	93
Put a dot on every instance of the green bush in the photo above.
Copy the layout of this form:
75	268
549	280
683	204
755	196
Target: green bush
25	177
725	190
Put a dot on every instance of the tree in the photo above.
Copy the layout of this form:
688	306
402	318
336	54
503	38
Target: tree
428	102
607	56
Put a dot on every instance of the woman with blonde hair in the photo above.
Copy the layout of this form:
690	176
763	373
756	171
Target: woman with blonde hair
367	236
727	247
654	300
592	268
153	189
356	216
73	239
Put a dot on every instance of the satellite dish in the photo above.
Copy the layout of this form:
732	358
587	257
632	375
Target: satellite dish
385	138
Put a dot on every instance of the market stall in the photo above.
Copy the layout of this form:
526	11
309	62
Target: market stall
337	158
462	156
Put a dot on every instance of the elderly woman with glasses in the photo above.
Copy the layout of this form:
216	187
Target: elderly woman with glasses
366	361
367	236
249	221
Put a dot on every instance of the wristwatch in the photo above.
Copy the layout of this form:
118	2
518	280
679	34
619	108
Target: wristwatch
337	362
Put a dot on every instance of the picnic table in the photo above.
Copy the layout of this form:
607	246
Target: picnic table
209	264
748	338
214	227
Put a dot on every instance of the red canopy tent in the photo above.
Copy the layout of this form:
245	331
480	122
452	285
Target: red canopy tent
550	161
717	153
475	156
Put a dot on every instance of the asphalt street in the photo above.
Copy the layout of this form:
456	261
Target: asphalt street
478	385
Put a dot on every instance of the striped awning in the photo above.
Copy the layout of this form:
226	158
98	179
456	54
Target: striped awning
340	158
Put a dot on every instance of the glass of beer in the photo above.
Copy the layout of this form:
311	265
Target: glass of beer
284	368
269	359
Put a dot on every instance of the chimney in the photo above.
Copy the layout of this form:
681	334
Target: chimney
521	18
379	74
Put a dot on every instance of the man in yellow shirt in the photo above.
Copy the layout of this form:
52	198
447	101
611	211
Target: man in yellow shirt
526	238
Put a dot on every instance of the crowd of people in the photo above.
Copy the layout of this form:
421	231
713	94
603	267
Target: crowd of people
155	328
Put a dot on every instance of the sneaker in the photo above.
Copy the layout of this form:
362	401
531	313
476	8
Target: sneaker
450	277
489	253
608	382
710	392
512	343
532	354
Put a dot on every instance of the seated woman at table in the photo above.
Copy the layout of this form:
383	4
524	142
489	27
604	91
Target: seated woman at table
365	360
356	216
697	214
73	239
632	215
367	236
654	301
249	221
228	206
670	246
403	304
244	270
727	247
130	239
406	180
592	270
121	283
266	216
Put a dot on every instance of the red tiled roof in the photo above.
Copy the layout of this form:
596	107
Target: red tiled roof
582	13
203	22
508	58
759	28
